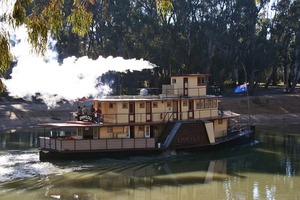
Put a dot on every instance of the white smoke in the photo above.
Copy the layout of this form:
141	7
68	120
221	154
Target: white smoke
45	78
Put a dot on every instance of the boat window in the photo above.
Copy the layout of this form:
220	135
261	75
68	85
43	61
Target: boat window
169	104
62	133
131	108
202	103
190	105
198	104
148	107
142	105
147	132
201	81
155	105
210	103
58	132
80	131
125	105
215	103
206	103
111	105
53	133
95	133
173	80
175	106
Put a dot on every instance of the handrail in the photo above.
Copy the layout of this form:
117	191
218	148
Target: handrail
157	117
95	144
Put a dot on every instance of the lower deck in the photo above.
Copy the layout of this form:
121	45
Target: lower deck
61	144
89	137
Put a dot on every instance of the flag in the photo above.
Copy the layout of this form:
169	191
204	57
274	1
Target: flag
241	88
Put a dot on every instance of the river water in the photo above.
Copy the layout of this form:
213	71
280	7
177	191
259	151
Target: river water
265	169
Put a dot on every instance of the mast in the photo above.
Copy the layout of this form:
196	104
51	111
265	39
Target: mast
248	100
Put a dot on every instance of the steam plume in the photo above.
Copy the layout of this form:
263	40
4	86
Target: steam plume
47	79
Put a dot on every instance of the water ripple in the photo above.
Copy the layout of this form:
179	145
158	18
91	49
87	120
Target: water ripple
22	164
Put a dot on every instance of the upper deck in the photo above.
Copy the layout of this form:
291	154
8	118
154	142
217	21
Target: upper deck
184	98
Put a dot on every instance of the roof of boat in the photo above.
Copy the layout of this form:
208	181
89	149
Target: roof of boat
146	98
185	75
68	124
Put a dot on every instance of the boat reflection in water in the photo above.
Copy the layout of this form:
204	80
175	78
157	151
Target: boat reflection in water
171	176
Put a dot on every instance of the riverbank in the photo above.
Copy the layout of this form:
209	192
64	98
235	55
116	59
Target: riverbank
264	109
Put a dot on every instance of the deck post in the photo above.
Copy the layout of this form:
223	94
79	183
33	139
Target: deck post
44	137
146	142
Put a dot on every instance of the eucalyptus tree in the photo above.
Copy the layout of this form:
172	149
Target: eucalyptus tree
287	33
245	31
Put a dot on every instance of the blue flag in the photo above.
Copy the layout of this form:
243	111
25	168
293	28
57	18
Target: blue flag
241	88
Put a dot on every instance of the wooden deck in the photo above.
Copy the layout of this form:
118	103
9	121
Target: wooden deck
59	144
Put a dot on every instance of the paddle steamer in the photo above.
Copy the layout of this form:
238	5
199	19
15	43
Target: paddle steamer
182	118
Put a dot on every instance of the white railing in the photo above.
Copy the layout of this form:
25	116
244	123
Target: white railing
60	144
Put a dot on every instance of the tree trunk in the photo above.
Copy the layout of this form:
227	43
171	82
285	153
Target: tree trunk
296	77
296	65
211	53
272	78
287	79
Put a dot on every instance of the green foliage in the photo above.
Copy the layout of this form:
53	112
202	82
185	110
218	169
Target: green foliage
80	19
19	12
37	33
54	16
47	17
50	17
5	57
164	7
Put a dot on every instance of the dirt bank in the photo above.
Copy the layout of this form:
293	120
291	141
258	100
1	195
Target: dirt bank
264	109
24	115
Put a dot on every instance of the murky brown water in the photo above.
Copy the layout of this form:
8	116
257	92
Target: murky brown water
268	169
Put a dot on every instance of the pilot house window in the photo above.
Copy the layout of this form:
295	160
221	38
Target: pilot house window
201	81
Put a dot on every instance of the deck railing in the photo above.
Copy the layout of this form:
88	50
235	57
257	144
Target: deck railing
158	117
60	144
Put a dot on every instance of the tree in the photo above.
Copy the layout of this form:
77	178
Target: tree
286	36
